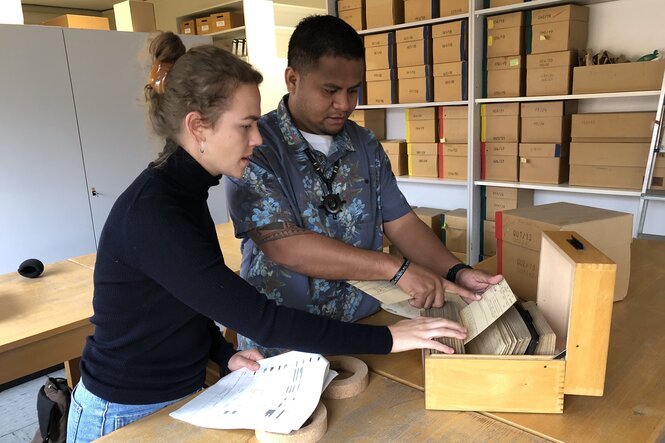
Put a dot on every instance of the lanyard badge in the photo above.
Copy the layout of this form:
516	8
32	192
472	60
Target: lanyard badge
332	203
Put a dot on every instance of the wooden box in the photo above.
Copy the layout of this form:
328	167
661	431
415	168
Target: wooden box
575	294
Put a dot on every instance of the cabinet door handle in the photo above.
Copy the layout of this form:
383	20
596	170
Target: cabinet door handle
94	192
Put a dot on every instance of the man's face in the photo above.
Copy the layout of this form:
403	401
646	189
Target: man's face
322	98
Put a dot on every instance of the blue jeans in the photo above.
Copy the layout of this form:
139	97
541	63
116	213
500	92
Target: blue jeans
91	417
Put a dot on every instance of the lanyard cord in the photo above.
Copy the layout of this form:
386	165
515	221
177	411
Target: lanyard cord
317	167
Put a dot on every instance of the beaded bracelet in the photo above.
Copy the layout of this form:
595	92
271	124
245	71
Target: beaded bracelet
400	272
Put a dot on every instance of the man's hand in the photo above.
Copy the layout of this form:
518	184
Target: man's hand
476	280
428	289
245	359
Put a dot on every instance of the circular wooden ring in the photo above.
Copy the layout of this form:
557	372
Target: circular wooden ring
347	387
307	434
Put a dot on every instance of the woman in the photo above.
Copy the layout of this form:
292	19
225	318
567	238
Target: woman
160	278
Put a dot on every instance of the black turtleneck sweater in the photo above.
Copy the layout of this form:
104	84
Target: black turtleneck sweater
159	280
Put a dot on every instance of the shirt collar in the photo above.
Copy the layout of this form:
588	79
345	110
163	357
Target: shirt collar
187	172
294	139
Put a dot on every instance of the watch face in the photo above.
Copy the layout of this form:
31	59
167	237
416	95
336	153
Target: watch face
332	203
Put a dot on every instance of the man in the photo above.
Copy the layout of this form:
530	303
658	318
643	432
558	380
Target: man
319	195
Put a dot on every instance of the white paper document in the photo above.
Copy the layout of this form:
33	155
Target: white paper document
478	315
279	397
402	308
382	290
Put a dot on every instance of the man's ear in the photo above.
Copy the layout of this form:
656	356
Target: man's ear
291	78
195	127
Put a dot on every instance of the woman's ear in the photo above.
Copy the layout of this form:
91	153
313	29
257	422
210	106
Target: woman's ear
195	127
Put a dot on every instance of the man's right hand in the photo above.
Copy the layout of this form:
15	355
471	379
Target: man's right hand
428	289
420	333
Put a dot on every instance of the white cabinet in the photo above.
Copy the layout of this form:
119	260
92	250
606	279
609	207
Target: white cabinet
73	118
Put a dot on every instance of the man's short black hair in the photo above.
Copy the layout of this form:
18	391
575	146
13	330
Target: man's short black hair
317	36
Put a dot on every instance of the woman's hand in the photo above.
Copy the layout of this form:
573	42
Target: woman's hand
245	359
420	332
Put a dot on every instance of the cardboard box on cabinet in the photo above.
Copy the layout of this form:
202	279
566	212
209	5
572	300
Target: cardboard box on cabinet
559	28
450	81
380	13
414	46
550	73
415	84
433	218
519	231
505	76
79	21
449	42
453	124
418	10
500	122
613	127
505	35
449	8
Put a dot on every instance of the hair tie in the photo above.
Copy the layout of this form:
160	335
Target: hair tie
158	74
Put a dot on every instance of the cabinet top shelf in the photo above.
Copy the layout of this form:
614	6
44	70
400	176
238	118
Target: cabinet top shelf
413	105
561	188
432	21
533	4
630	94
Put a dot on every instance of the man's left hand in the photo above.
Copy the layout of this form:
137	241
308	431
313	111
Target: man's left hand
476	280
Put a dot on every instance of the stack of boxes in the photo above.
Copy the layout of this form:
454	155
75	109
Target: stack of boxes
372	119
218	21
433	218
496	200
449	59
421	140
380	80
610	150
553	41
545	142
418	10
455	232
499	140
396	152
453	137
352	12
505	60
414	61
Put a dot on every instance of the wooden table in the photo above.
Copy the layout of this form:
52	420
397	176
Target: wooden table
633	406
386	411
44	321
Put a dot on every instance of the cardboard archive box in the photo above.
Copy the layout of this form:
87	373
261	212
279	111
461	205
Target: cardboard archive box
379	51
449	8
559	28
203	25
453	124
619	77
453	161
575	296
613	127
423	159
433	218
352	12
134	16
613	165
414	84
505	35
518	231
421	125
222	21
497	3
499	161
79	21
489	238
418	10
414	46
396	152
505	76
544	122
380	13
381	87
449	42
504	199
450	81
550	73
455	230
545	163
500	122
372	119
188	27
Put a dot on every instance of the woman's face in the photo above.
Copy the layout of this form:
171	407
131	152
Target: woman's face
228	146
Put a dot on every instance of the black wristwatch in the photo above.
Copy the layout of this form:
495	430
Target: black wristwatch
452	272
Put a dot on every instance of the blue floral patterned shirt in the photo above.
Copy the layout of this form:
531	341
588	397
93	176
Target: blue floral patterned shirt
281	185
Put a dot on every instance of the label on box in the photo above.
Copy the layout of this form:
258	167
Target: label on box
220	23
542	109
501	63
512	20
188	30
551	59
494	148
421	114
453	149
205	27
497	109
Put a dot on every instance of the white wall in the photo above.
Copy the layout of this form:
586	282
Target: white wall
11	12
629	27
